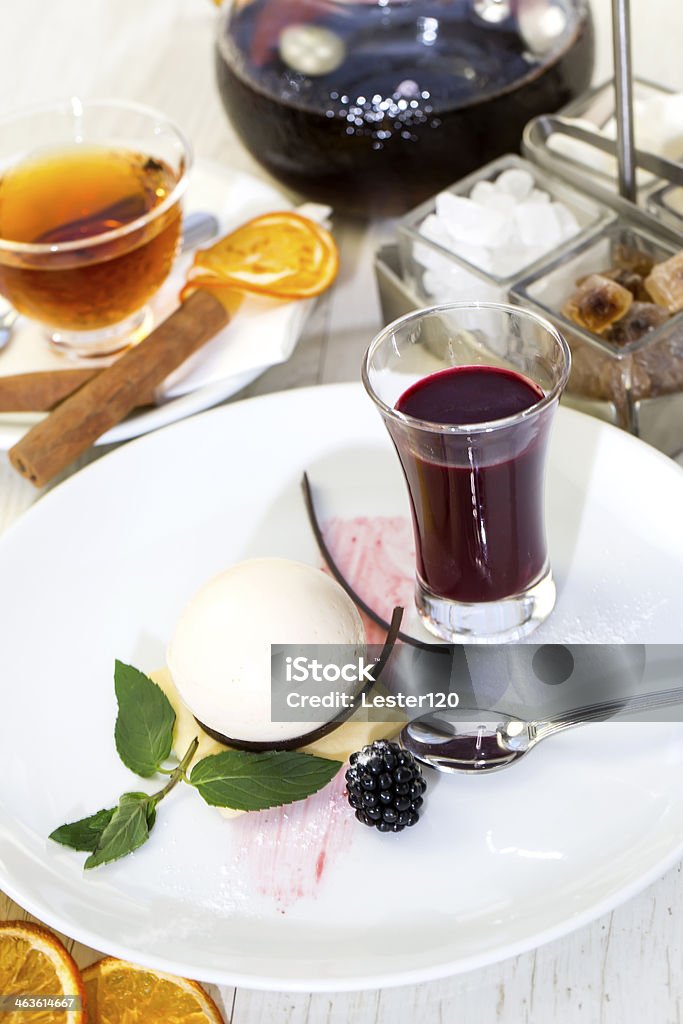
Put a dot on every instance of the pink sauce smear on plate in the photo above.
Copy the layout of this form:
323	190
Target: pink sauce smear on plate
288	851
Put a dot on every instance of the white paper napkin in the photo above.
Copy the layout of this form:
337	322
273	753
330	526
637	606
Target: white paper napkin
264	331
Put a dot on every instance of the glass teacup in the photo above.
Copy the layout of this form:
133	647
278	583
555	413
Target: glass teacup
90	217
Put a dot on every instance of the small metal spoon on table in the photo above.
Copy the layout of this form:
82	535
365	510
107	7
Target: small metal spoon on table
472	741
197	228
7	321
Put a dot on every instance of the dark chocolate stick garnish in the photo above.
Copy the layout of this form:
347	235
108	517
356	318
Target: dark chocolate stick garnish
343	582
393	634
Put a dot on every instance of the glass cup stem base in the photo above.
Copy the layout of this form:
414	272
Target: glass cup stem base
106	340
489	622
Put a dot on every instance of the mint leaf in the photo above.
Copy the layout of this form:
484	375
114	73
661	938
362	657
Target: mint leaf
144	726
253	782
150	810
85	833
127	830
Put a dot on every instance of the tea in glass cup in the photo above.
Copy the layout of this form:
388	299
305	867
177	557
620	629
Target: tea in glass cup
90	218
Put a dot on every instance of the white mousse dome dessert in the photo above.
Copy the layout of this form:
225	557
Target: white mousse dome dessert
220	654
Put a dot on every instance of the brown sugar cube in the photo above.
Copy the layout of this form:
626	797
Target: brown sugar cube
627	279
630	257
595	375
597	303
641	319
663	365
665	283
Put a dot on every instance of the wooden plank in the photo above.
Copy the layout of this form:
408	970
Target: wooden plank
622	969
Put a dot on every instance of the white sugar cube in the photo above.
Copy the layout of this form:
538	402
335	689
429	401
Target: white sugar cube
439	286
486	194
430	258
509	259
433	229
533	253
483	192
568	222
503	203
460	287
582	152
537	195
477	255
659	126
493	229
454	285
516	181
467	221
538	224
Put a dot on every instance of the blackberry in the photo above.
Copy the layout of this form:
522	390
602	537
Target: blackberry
385	785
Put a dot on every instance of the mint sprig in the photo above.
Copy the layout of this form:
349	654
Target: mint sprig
114	833
144	740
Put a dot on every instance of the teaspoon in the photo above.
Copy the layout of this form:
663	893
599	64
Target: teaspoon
473	741
7	319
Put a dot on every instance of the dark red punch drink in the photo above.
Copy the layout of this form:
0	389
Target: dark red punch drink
374	105
477	503
468	392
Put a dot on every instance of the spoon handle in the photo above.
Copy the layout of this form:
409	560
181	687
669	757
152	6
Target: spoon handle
598	712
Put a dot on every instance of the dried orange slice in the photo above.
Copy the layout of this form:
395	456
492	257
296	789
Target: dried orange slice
35	967
225	293
118	991
280	254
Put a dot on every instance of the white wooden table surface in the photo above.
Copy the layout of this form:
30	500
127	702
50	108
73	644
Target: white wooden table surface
625	968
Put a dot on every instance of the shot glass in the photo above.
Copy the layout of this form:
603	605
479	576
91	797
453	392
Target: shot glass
476	489
90	218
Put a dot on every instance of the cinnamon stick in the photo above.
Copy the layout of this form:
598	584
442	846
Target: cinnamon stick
102	402
41	391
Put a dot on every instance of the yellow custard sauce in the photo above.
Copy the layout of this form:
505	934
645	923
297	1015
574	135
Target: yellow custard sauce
337	745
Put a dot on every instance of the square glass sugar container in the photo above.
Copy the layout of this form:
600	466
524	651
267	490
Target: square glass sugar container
637	358
658	129
666	204
477	238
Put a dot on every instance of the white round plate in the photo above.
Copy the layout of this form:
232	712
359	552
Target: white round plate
233	197
308	899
